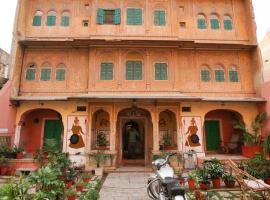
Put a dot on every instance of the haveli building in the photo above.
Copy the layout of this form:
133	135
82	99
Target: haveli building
4	68
178	72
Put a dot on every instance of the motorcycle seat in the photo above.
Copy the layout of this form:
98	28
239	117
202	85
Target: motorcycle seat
168	181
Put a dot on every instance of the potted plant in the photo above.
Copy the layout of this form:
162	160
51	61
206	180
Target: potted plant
215	169
102	141
86	177
70	177
192	176
4	166
71	194
19	152
203	179
167	143
251	138
99	157
229	180
80	185
241	165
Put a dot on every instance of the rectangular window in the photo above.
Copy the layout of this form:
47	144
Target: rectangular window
65	21
60	74
134	70
30	74
159	18
51	20
233	76
227	24
219	75
37	21
205	75
45	74
134	16
214	24
109	16
106	71
161	71
201	24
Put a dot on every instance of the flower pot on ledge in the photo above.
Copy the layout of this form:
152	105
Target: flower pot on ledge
216	183
251	151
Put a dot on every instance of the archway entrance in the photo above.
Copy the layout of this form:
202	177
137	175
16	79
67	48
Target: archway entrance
134	138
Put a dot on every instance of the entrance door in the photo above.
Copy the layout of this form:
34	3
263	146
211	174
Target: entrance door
53	130
133	140
212	135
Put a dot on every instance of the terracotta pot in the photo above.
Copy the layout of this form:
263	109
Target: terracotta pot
216	182
79	188
86	180
267	181
251	151
102	147
204	186
4	170
19	155
229	184
72	197
191	184
69	184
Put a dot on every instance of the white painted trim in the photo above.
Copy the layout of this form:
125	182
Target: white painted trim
4	130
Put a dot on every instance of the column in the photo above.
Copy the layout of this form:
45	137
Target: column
155	131
17	135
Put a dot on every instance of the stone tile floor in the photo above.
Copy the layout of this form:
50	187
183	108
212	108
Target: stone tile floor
125	186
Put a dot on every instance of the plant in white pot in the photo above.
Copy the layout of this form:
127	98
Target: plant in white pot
99	157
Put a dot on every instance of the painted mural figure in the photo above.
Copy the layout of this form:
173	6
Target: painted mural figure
193	139
76	140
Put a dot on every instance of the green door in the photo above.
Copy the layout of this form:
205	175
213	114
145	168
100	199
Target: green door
53	130
212	135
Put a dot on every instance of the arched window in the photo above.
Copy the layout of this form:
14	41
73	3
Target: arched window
45	72
31	72
233	75
201	22
219	73
161	71
205	74
65	19
214	21
61	72
51	18
37	18
227	22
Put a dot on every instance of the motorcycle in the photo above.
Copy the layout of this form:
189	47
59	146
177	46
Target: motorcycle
162	185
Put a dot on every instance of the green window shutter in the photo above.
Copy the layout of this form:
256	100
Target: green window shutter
106	71
233	76
161	71
214	24
159	18
228	24
219	75
30	74
45	74
117	16
36	21
134	16
201	24
100	16
60	74
205	75
129	70
137	70
51	20
65	21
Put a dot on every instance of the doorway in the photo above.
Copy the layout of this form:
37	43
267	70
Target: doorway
212	135
133	140
53	130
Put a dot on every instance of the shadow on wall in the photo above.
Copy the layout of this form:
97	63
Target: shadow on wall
8	112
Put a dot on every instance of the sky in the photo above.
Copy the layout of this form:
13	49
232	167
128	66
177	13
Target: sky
8	7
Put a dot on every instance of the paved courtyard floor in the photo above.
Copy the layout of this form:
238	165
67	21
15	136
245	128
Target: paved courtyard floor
125	186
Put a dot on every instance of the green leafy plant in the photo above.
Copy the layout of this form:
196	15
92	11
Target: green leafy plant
70	192
93	191
101	139
167	140
202	176
251	137
228	177
258	167
3	160
18	149
87	175
267	144
214	168
192	175
99	157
